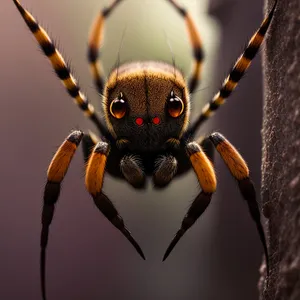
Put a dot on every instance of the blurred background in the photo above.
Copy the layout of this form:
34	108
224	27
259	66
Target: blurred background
88	259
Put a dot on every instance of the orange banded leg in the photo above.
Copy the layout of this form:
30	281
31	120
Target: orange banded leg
94	44
237	72
56	173
208	183
196	44
94	181
239	170
88	143
60	67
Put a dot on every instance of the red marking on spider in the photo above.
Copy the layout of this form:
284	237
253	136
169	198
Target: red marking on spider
156	120
139	121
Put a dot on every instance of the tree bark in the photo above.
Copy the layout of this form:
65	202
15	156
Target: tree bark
281	153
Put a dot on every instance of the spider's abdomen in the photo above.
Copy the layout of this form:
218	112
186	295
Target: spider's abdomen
146	103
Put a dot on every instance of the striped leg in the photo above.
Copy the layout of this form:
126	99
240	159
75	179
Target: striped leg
239	170
88	143
235	75
207	147
60	67
94	181
95	41
56	173
208	183
196	44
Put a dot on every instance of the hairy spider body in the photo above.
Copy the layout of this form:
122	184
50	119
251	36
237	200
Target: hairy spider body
147	130
145	87
148	161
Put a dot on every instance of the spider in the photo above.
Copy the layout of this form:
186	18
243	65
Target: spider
147	132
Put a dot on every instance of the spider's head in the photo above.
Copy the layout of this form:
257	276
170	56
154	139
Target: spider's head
147	104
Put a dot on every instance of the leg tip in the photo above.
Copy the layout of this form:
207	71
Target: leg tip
217	138
75	137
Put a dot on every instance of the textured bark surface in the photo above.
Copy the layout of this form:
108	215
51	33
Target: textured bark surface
281	153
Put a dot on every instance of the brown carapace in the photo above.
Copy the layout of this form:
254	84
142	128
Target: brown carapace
147	132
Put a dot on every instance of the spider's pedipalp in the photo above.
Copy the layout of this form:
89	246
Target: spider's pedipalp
60	67
239	170
165	171
56	173
94	180
237	72
208	183
132	171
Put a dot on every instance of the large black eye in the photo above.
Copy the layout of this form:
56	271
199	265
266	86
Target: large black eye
118	107
175	106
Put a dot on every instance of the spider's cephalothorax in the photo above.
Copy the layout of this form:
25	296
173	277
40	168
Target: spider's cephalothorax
146	104
147	132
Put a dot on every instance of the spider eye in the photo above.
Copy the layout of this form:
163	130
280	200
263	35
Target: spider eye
118	107
175	106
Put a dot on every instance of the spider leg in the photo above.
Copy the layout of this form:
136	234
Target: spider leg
129	165
165	171
56	173
60	67
208	183
95	42
196	44
94	181
239	170
88	143
207	146
132	171
237	72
